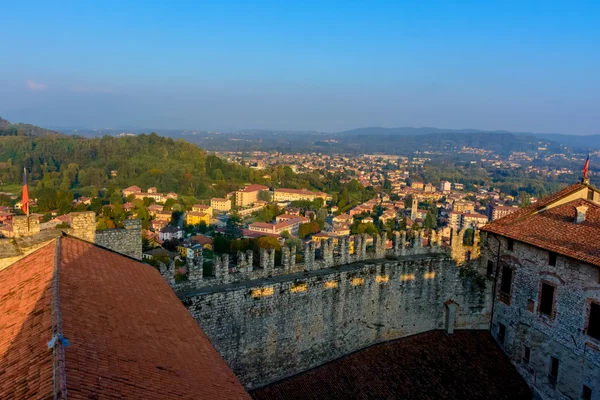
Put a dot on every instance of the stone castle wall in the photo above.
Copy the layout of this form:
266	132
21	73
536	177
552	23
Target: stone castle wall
270	328
126	240
330	255
25	226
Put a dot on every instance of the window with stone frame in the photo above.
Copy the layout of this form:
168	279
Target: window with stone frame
490	268
553	373
501	333
593	321
526	354
547	299
552	258
586	393
506	284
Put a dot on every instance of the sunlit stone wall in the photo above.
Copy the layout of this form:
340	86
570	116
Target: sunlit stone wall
268	329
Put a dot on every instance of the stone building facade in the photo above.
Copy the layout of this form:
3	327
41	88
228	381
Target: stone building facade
545	260
533	338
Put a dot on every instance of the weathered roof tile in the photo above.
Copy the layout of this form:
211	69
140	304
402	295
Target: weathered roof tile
129	334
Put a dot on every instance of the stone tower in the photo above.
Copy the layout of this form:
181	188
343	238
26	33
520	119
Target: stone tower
414	207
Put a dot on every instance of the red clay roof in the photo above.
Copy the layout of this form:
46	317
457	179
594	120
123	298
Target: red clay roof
555	230
201	239
538	205
542	225
253	188
129	335
433	365
300	191
26	327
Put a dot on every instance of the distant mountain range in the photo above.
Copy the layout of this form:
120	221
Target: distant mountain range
398	140
575	141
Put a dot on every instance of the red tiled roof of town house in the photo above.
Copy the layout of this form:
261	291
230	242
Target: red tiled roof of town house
550	224
132	189
474	215
129	335
432	365
203	240
299	191
291	216
253	188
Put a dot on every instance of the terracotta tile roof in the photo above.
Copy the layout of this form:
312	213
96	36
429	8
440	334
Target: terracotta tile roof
203	240
548	224
26	326
538	205
300	191
474	215
432	365
129	335
253	188
554	229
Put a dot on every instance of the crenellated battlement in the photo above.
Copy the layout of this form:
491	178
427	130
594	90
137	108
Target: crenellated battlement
329	255
272	327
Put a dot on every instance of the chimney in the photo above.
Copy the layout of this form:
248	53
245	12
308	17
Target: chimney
580	217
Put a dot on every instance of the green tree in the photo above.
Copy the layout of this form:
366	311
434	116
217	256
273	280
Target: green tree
367	228
268	242
469	237
233	227
308	228
430	221
265	195
202	227
294	242
169	204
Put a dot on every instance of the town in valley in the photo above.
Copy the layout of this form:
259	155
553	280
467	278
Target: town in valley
300	200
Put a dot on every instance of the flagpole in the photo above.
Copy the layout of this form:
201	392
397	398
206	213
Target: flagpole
24	200
25	180
586	167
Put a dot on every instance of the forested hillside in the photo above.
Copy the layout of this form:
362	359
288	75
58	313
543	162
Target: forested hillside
66	162
20	129
68	165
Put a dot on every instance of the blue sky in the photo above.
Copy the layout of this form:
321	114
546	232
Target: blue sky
328	66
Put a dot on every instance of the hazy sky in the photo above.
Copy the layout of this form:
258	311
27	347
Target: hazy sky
328	66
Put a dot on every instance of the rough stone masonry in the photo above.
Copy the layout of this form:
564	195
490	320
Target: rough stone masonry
274	327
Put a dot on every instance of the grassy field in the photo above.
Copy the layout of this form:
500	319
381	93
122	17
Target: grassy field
11	188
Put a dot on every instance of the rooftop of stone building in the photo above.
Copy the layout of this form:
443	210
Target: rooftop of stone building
128	335
550	224
432	365
15	247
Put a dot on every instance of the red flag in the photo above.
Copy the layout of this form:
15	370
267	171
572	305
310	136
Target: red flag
25	196
585	167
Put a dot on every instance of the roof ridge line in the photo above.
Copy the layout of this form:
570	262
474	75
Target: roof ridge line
58	342
536	208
